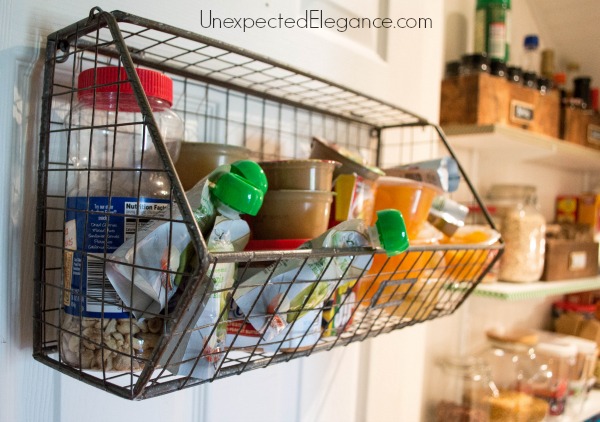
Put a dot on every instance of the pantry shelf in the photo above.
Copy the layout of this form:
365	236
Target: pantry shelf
519	144
524	291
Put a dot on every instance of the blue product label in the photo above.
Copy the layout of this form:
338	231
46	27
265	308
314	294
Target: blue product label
94	228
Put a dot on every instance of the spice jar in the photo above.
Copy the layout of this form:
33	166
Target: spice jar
514	74
498	68
474	64
452	69
530	79
114	188
465	389
523	229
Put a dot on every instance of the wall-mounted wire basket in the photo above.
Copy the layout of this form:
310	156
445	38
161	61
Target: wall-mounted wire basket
231	96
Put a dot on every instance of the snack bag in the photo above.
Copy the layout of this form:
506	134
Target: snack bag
296	286
140	275
201	349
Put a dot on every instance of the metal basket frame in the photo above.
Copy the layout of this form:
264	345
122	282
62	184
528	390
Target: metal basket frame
228	72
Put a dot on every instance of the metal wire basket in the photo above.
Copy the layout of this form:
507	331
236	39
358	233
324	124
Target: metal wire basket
239	98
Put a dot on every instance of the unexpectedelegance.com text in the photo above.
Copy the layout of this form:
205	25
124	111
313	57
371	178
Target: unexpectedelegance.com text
311	19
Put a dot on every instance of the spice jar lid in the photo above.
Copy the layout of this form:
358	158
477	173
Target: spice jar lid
114	79
452	68
560	78
544	83
531	42
498	68
514	73
479	61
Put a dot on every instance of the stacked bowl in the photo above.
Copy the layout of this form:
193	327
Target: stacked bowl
298	202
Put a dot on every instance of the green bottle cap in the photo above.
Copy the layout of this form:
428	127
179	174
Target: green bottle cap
392	231
243	188
252	172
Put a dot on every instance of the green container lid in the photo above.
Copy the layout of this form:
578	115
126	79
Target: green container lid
392	231
484	3
243	188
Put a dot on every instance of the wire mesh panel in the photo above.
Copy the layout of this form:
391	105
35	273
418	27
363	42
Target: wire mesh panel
130	297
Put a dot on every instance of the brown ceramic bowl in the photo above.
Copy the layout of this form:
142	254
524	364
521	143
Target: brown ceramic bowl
197	159
310	174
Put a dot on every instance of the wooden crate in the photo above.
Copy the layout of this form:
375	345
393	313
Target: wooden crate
483	99
567	259
582	127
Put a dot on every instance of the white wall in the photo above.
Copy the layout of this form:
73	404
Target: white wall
377	381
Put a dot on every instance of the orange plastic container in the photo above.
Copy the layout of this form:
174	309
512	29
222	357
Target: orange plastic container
412	198
413	277
464	263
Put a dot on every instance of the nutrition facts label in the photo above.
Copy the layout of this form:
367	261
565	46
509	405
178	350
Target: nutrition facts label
94	227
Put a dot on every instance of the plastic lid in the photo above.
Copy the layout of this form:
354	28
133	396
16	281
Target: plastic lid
531	42
584	346
511	192
517	336
564	305
557	348
560	78
392	231
105	79
243	188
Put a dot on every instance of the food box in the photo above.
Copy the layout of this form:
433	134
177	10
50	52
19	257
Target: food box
484	99
589	210
582	127
568	259
566	208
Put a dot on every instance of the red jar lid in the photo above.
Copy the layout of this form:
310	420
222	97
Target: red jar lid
574	307
105	79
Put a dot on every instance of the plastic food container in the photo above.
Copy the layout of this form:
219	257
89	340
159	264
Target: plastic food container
311	174
292	214
581	375
412	198
552	382
464	264
463	390
412	277
514	366
197	159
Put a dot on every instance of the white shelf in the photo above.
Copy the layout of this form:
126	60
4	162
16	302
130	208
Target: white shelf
524	291
518	144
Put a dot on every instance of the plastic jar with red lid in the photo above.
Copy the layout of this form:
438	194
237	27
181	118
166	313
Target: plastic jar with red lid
116	182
